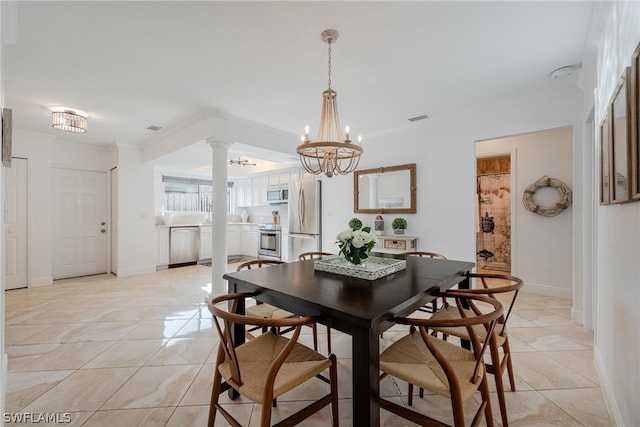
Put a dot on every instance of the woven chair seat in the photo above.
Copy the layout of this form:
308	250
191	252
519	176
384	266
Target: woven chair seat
410	360
255	355
267	311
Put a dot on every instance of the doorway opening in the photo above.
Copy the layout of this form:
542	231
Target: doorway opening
493	231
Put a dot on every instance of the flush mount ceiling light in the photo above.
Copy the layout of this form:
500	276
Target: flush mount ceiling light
330	153
565	71
69	120
242	162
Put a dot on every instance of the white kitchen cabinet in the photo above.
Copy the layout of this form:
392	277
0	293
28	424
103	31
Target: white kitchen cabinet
245	240
238	188
255	236
248	192
284	179
206	236
233	240
260	185
163	247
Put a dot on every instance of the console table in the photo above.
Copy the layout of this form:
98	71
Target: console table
395	244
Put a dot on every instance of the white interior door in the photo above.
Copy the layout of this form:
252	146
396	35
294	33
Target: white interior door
15	225
79	223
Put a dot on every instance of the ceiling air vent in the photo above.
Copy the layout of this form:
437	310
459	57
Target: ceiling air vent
416	118
154	127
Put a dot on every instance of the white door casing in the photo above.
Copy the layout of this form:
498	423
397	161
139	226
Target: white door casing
15	225
79	223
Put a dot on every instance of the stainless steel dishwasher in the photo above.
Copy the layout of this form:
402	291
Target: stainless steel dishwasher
184	245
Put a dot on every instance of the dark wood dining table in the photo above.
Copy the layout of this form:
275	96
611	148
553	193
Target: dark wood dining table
358	307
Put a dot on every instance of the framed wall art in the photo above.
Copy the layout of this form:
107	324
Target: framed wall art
605	159
7	130
634	118
620	141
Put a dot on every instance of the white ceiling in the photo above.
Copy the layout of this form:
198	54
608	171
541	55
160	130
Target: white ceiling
130	65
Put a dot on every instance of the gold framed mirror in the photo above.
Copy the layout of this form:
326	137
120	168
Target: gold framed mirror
390	189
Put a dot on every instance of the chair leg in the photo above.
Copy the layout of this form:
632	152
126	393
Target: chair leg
496	369
410	398
507	355
215	395
314	327
328	340
484	391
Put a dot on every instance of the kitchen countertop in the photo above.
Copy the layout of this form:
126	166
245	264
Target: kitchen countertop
202	225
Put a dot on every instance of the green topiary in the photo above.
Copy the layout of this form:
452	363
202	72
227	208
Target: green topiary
355	224
399	224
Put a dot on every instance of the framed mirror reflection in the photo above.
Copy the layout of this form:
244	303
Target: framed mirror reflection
390	189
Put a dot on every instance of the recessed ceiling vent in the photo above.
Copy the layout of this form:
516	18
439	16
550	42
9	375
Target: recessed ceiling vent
416	118
154	127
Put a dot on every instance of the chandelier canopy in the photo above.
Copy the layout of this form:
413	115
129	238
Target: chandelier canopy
332	152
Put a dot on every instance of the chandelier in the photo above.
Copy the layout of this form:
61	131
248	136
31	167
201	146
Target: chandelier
242	162
330	153
69	121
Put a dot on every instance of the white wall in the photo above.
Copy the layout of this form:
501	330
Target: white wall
542	246
136	217
617	296
444	150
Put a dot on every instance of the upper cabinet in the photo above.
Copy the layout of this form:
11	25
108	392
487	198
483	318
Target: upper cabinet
389	189
253	191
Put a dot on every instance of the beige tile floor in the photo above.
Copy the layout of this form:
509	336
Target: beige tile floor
139	351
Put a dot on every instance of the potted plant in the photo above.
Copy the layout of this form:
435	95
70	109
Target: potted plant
355	224
399	225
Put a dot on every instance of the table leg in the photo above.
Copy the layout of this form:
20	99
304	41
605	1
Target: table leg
465	284
238	333
366	374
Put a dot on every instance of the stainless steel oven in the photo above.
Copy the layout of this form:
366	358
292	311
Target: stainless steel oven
269	241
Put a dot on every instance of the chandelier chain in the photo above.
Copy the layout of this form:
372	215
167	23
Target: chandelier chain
329	65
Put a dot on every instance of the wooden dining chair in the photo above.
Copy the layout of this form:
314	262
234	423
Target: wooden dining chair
312	255
425	254
503	288
268	311
317	255
443	367
267	366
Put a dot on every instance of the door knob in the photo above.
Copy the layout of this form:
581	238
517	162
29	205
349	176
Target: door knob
103	230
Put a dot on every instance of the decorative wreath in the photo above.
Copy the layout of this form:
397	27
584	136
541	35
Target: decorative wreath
545	181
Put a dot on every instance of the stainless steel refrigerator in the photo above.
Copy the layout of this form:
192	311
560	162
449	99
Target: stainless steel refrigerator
305	225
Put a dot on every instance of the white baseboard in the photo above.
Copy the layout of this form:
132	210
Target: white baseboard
605	386
41	281
550	291
123	272
577	316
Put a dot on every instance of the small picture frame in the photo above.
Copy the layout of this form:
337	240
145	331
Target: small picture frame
7	129
620	140
605	159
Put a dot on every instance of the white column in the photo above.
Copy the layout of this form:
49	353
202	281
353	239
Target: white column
219	151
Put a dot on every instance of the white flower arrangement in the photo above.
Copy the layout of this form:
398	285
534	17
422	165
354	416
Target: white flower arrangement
356	244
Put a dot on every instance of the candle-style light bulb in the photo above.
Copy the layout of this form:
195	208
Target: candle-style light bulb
360	139
347	129
306	133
